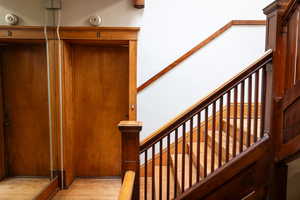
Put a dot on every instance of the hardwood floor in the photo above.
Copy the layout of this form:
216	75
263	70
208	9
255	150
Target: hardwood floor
91	189
22	188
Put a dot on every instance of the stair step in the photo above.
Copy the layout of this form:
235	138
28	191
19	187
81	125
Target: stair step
186	170
142	188
202	158
164	183
245	127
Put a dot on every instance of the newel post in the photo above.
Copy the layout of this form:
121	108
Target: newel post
130	131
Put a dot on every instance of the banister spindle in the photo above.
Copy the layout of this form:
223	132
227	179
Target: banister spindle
228	125
146	175
235	121
153	172
168	166
176	164
220	157
213	137
191	153
183	157
198	144
249	118
256	105
242	116
205	141
263	101
160	168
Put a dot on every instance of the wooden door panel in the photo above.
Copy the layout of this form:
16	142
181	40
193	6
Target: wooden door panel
26	107
100	102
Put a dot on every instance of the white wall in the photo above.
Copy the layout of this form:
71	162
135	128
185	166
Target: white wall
30	12
169	28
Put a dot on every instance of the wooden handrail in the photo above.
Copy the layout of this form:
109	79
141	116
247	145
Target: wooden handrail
161	132
289	11
197	48
127	186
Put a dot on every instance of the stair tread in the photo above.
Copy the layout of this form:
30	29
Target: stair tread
142	187
186	170
202	156
238	124
164	182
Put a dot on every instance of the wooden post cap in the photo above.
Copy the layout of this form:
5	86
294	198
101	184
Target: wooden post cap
130	124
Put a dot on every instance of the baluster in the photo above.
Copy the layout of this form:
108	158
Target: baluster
153	172
242	116
198	145
220	132
146	175
263	101
213	137
256	105
183	157
160	168
191	153
176	164
249	111
205	141
235	121
228	126
168	166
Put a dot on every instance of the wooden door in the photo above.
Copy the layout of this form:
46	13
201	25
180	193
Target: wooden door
100	102
24	75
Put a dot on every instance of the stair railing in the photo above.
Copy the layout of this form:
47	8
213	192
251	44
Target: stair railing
193	145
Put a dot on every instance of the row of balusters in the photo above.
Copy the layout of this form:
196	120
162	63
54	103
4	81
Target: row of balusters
243	103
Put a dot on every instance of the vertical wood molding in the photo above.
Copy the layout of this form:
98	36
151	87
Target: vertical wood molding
130	131
132	79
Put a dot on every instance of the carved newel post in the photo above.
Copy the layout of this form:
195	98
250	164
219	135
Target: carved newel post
130	131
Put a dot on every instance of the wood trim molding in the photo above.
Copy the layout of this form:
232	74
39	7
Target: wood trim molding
198	47
290	8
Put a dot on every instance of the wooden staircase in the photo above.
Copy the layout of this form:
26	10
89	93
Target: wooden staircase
209	136
190	166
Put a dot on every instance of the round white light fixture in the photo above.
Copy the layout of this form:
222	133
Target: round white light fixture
11	19
95	20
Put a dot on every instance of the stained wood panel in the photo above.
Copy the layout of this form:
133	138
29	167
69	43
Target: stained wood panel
2	149
100	102
293	51
24	76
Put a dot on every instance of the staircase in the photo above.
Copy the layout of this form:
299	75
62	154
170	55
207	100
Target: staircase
211	135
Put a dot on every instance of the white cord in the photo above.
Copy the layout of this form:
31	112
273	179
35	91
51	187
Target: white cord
49	95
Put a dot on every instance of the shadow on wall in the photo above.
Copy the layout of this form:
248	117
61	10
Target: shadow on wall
30	12
113	12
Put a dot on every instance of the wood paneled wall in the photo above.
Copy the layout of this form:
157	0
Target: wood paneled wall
2	149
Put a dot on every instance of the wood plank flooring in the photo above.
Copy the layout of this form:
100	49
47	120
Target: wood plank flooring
91	189
22	188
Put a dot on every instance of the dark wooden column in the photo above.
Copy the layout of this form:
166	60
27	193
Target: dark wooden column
130	131
139	3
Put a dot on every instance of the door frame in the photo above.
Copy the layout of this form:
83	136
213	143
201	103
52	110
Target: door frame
94	36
